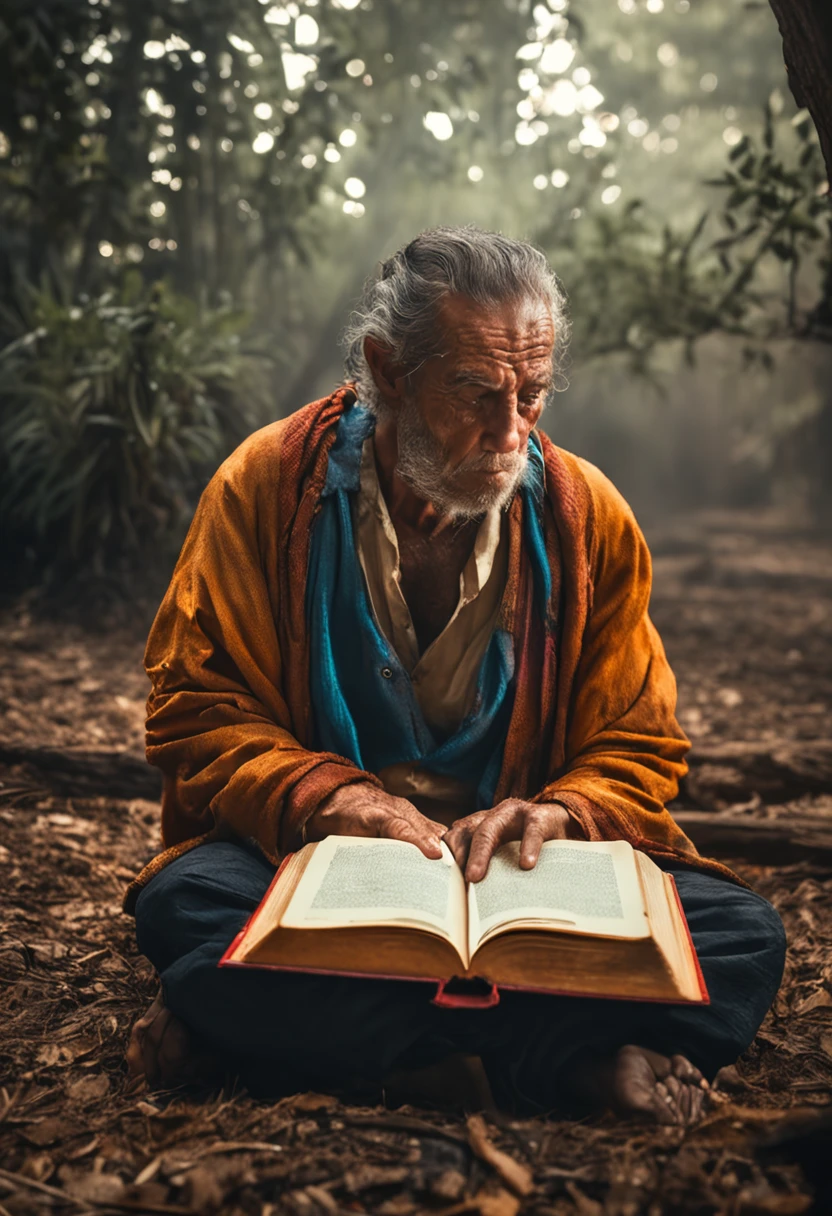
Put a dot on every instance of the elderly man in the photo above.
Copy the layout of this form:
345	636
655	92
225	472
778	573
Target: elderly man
403	612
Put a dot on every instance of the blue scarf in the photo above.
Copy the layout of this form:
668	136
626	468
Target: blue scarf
364	705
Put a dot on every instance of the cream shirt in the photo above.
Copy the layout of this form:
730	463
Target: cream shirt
445	675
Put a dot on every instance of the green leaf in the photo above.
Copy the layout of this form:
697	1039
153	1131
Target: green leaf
782	251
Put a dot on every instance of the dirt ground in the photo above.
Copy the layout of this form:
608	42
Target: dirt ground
744	604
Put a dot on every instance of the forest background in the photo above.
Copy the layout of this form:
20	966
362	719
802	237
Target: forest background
192	192
191	195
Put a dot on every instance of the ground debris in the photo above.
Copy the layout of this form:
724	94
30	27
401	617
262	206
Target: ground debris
75	1138
516	1174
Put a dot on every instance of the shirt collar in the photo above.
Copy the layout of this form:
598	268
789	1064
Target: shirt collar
477	569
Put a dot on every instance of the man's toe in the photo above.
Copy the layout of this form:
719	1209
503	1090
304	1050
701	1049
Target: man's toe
662	1104
698	1098
682	1068
660	1064
688	1096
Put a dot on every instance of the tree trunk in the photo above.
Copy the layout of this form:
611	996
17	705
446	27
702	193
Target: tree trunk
806	29
777	842
722	774
87	774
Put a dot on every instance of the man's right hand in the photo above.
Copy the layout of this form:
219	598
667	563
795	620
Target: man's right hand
362	809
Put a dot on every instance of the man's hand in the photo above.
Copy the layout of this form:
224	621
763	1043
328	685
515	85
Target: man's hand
475	839
362	809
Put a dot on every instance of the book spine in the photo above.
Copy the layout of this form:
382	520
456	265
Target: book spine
465	1000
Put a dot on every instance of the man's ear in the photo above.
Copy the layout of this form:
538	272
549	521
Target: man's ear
387	374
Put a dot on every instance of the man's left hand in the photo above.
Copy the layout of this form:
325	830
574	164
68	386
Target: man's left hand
475	839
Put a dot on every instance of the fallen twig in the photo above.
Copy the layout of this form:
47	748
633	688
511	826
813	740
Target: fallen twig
9	1100
517	1175
43	1187
402	1123
126	1204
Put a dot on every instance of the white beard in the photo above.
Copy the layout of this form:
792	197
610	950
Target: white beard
423	465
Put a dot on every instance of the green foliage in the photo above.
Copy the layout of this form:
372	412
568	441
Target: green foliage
113	414
759	269
650	286
232	147
776	211
195	138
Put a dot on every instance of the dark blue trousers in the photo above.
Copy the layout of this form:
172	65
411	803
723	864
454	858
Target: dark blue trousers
284	1031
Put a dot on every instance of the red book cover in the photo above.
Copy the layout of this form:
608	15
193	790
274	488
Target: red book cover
467	993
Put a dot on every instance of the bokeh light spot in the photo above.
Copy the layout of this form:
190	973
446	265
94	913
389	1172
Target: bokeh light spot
306	30
439	124
557	57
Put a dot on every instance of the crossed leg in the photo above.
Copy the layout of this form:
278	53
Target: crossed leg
285	1031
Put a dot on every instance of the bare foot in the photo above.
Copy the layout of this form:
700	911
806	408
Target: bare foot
639	1082
161	1051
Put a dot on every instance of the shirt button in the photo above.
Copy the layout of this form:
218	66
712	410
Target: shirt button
387	672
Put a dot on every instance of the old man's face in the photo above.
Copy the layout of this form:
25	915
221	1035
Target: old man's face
463	418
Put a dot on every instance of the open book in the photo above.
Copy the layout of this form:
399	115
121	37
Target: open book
592	919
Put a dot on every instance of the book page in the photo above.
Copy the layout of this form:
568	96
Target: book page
577	885
267	917
356	880
666	924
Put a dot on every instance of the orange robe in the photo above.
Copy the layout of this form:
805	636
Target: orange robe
593	723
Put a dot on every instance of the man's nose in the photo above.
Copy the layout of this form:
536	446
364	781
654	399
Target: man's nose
503	429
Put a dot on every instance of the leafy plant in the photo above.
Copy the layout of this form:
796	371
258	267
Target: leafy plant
760	269
634	286
776	210
197	137
113	414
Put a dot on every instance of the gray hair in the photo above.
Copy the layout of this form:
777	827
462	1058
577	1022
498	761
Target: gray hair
400	304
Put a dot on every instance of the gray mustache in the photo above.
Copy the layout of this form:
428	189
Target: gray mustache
491	464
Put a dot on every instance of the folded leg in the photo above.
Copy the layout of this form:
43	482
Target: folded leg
740	942
282	1030
287	1031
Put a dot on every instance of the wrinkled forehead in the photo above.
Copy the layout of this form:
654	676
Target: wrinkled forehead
514	333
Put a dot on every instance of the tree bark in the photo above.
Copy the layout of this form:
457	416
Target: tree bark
778	842
88	774
722	774
806	29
